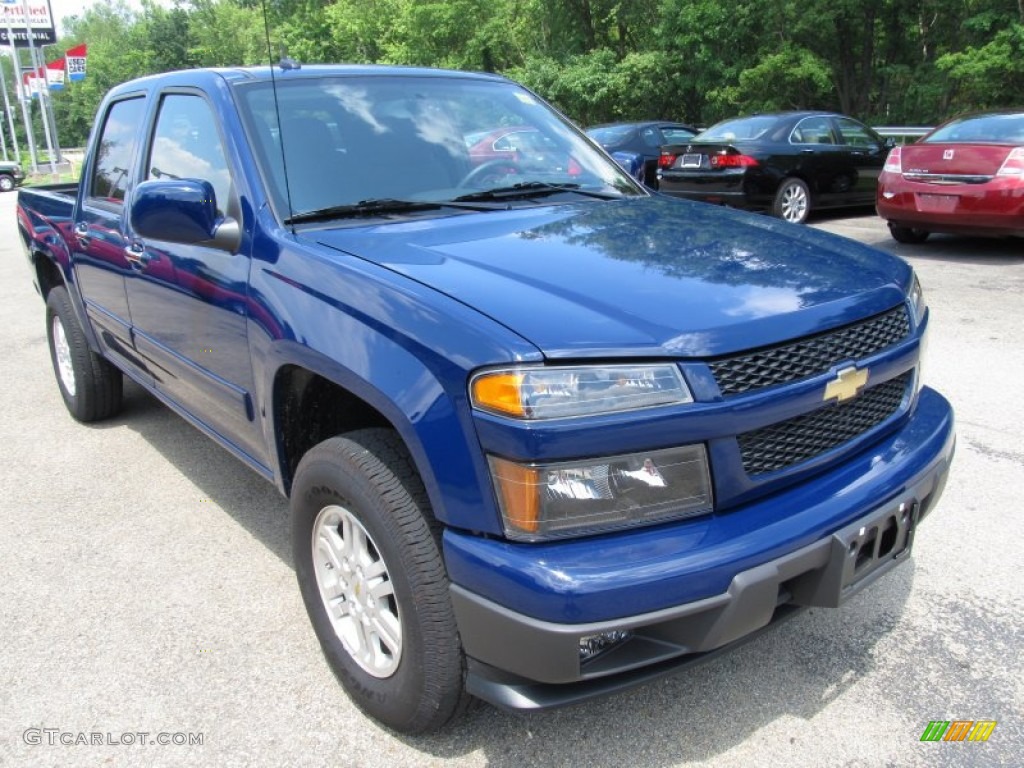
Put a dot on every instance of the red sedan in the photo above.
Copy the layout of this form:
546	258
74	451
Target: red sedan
965	177
519	147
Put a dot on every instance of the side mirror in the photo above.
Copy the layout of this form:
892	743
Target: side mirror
888	142
183	211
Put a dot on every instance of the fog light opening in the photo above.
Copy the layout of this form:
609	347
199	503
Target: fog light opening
592	646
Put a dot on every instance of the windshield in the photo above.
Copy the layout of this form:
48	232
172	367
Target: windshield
610	135
352	139
996	129
743	129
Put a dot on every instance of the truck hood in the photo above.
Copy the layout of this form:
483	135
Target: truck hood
639	277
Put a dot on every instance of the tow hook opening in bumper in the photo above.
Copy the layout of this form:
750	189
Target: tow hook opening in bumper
858	555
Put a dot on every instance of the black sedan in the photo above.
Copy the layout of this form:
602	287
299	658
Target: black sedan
786	163
640	144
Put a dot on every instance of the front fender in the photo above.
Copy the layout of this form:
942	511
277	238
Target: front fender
433	424
399	346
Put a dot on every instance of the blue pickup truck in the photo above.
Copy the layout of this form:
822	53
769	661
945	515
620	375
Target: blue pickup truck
545	435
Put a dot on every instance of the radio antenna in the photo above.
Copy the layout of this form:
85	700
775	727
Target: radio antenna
286	64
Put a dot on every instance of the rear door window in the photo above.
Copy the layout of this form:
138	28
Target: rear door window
651	137
855	134
813	130
116	149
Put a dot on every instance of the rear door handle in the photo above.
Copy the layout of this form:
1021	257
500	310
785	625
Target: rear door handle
82	234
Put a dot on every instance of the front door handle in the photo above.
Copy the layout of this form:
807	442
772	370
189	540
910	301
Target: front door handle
82	234
137	255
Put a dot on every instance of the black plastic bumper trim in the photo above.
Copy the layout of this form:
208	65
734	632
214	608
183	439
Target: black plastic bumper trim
519	662
516	695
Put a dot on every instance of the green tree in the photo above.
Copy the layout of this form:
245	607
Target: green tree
991	75
118	51
894	61
793	78
224	33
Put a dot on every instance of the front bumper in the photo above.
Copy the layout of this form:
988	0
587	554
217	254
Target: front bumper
866	513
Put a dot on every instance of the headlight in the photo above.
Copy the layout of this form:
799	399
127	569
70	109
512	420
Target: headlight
572	498
917	303
563	392
918	307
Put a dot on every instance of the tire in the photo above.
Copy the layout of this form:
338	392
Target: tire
792	201
6	183
359	508
91	387
908	235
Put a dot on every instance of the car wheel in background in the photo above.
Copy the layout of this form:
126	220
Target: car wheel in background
792	201
369	567
908	234
91	387
6	183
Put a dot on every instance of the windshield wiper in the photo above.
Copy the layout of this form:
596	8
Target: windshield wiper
375	207
529	189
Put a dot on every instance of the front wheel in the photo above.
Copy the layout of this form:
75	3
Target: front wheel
908	235
91	387
6	183
370	570
792	201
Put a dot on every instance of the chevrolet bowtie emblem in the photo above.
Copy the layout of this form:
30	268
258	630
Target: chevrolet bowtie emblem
847	383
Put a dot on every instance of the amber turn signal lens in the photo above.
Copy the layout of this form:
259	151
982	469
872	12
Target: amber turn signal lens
520	495
500	392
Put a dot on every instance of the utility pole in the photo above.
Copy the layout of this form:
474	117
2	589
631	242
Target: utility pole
7	111
49	107
22	96
43	89
3	134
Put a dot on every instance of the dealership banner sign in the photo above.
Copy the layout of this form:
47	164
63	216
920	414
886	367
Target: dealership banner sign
55	75
75	58
22	18
32	83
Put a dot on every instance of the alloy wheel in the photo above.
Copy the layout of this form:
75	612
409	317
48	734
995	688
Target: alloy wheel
357	591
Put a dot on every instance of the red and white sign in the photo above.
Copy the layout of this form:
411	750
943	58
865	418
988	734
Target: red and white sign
75	58
32	83
55	75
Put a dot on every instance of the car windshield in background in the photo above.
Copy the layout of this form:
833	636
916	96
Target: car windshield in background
981	129
743	129
352	140
611	135
677	135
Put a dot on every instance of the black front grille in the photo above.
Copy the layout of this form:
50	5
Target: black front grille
811	355
781	445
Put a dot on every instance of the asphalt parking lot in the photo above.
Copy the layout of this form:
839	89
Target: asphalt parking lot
148	589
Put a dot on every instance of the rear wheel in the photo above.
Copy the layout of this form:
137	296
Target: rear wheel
370	570
6	183
792	201
908	234
91	387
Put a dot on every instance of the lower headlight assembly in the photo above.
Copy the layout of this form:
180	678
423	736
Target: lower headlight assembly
574	498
